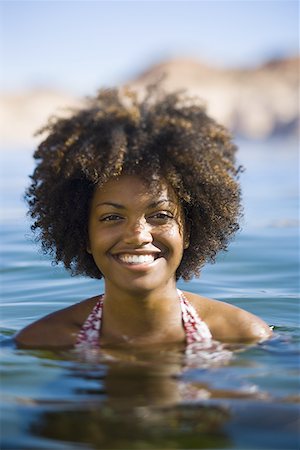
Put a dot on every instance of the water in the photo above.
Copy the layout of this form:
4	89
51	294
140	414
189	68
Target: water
157	399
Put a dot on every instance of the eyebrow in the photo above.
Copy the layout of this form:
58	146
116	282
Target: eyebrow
151	205
115	205
163	200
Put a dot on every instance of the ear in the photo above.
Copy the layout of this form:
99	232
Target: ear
88	248
186	243
186	240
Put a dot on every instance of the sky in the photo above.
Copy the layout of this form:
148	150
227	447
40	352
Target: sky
81	46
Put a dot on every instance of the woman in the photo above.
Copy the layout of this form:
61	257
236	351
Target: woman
141	192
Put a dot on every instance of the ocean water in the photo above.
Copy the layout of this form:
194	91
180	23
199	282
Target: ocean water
159	399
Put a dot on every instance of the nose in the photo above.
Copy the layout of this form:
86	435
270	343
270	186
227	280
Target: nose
138	233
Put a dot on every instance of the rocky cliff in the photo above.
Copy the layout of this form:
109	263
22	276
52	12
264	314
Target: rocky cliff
254	102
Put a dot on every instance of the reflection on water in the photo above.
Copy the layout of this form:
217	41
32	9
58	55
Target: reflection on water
136	403
144	400
105	427
161	398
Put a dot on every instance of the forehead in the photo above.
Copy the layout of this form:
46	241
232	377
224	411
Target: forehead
135	188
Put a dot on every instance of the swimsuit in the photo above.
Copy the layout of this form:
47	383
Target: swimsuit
195	329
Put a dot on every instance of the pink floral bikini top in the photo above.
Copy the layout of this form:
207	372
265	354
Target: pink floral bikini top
195	329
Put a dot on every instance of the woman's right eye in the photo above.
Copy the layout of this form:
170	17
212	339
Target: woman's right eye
111	218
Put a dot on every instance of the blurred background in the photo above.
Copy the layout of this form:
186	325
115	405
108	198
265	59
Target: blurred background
240	57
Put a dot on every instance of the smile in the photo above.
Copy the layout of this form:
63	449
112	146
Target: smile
128	258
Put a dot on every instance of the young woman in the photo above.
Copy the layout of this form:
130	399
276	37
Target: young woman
141	192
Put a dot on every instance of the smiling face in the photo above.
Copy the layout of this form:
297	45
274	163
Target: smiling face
135	236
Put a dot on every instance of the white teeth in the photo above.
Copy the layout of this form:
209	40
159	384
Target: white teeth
136	259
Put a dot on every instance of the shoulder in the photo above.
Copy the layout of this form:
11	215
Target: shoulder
228	323
58	329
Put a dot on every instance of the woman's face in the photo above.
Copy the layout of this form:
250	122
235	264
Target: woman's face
136	236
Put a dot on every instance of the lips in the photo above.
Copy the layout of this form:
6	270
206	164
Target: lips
136	259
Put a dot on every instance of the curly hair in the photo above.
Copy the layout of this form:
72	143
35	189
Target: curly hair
168	135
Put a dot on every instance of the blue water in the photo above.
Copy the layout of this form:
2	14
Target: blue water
158	400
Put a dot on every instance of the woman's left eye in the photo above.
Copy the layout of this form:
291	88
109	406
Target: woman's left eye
162	216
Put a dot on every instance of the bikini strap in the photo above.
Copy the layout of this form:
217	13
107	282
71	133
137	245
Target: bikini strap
90	331
195	329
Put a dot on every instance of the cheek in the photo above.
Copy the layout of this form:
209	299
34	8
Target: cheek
172	232
174	235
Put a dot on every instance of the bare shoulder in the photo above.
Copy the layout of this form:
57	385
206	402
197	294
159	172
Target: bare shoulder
229	323
58	329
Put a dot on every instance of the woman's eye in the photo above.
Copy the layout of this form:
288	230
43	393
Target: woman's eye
162	216
111	218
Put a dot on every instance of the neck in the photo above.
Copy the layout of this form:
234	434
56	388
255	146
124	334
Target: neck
134	314
140	300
